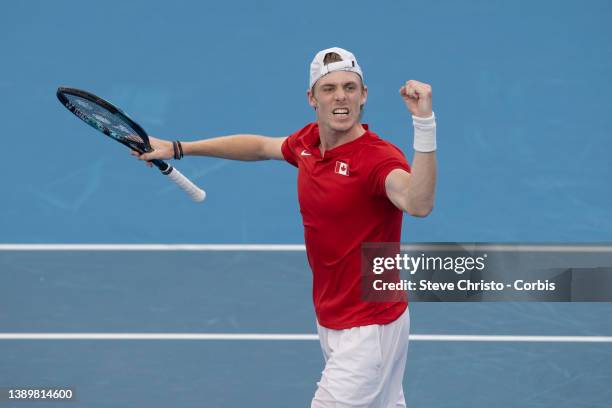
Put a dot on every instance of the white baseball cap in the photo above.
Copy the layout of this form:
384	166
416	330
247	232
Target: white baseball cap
319	69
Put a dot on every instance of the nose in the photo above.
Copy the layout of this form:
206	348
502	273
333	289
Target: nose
340	95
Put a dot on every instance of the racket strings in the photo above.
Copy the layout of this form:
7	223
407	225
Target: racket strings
107	122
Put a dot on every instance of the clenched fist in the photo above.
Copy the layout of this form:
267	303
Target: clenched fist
417	96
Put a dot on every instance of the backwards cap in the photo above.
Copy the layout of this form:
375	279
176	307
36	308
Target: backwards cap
319	69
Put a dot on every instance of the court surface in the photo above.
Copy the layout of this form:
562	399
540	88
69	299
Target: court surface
236	328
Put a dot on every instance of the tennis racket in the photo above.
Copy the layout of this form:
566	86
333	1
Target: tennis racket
111	121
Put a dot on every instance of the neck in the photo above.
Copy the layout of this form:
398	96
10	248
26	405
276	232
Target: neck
331	138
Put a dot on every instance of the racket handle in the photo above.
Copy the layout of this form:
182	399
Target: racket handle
196	193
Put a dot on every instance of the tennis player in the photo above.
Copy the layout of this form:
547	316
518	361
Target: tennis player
353	187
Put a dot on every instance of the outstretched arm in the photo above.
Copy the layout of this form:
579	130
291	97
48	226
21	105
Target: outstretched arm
414	192
235	147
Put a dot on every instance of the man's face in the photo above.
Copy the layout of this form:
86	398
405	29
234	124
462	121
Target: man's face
337	97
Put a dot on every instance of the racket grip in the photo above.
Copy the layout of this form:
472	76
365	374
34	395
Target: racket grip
196	193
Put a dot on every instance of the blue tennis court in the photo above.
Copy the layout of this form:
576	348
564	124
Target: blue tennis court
149	309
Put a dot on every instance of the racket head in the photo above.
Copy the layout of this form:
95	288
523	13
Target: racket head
105	117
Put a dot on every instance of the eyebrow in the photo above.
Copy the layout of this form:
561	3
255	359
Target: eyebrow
336	83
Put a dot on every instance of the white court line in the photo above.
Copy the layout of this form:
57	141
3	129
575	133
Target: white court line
290	247
282	337
293	337
507	247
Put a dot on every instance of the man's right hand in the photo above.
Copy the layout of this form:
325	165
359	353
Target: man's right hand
162	149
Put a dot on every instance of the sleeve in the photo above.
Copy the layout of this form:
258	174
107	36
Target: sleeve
385	159
288	150
292	144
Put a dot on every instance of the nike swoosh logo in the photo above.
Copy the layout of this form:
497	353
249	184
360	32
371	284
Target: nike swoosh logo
305	153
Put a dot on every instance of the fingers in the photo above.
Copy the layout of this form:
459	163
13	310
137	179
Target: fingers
415	90
140	156
161	149
408	92
144	156
417	96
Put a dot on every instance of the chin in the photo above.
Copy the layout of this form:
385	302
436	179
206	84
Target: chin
343	126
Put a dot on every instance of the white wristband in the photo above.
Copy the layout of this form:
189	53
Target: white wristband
424	133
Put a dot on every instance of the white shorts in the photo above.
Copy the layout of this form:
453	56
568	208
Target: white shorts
364	366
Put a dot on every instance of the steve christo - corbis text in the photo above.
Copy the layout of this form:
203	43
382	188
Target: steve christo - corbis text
458	265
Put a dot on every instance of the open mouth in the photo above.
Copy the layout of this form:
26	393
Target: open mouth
340	112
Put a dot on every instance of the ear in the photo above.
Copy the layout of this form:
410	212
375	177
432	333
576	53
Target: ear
312	101
364	95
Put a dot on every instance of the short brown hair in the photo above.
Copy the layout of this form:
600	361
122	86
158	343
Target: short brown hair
331	57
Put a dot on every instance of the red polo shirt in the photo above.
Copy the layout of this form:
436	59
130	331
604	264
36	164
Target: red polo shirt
343	202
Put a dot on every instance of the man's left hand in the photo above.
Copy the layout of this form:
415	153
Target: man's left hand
417	96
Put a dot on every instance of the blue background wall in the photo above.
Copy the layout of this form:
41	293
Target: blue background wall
521	91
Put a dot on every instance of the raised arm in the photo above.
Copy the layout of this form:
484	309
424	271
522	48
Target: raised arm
235	147
414	192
